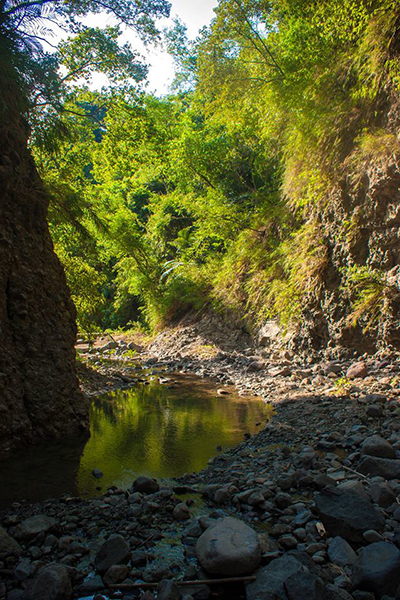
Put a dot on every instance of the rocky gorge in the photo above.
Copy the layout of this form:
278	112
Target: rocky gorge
203	215
39	391
307	508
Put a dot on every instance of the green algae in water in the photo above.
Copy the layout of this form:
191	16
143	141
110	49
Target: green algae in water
150	430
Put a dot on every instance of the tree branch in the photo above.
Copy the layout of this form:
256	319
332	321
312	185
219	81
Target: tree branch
37	37
77	70
258	36
25	5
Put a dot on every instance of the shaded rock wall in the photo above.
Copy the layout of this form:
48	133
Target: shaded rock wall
39	393
360	223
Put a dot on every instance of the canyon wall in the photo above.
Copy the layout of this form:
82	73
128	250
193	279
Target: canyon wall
39	392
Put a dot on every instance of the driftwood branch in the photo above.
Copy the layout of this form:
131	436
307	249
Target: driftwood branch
355	472
133	586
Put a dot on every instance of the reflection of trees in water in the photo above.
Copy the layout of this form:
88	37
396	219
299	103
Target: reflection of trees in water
161	431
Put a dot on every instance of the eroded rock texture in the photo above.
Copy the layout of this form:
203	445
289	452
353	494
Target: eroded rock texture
360	225
39	393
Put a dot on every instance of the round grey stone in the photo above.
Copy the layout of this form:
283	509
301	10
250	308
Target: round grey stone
229	548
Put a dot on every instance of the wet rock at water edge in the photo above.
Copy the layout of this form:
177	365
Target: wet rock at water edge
114	551
97	473
377	569
51	583
33	526
347	514
8	546
146	485
229	548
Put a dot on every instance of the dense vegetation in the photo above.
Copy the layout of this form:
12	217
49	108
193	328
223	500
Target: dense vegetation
214	193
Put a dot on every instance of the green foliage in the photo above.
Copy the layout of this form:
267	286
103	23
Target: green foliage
271	272
369	292
342	386
212	194
378	147
95	49
46	76
185	55
85	284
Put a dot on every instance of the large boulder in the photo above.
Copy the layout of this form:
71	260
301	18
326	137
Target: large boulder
229	548
32	526
303	585
346	514
8	546
51	583
114	551
270	581
375	445
377	569
270	334
387	468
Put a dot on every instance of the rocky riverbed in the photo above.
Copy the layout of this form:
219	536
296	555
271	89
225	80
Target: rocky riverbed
307	508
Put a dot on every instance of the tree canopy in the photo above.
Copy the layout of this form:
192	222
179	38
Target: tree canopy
211	194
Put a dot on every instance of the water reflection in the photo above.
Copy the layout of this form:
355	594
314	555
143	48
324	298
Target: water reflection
163	432
42	472
144	430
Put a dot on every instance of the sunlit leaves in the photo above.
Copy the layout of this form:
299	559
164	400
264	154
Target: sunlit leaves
97	50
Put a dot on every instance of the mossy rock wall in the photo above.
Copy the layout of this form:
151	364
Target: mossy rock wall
360	223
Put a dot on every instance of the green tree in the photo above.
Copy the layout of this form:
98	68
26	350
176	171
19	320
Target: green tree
65	124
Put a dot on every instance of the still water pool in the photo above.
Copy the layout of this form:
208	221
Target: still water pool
158	430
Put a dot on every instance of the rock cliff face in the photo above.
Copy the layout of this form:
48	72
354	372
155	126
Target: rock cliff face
360	224
39	393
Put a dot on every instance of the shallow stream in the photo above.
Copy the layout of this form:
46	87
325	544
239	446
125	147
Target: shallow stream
158	430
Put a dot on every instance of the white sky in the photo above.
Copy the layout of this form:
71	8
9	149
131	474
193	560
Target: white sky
194	13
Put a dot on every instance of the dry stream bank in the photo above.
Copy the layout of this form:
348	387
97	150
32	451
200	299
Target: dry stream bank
309	505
